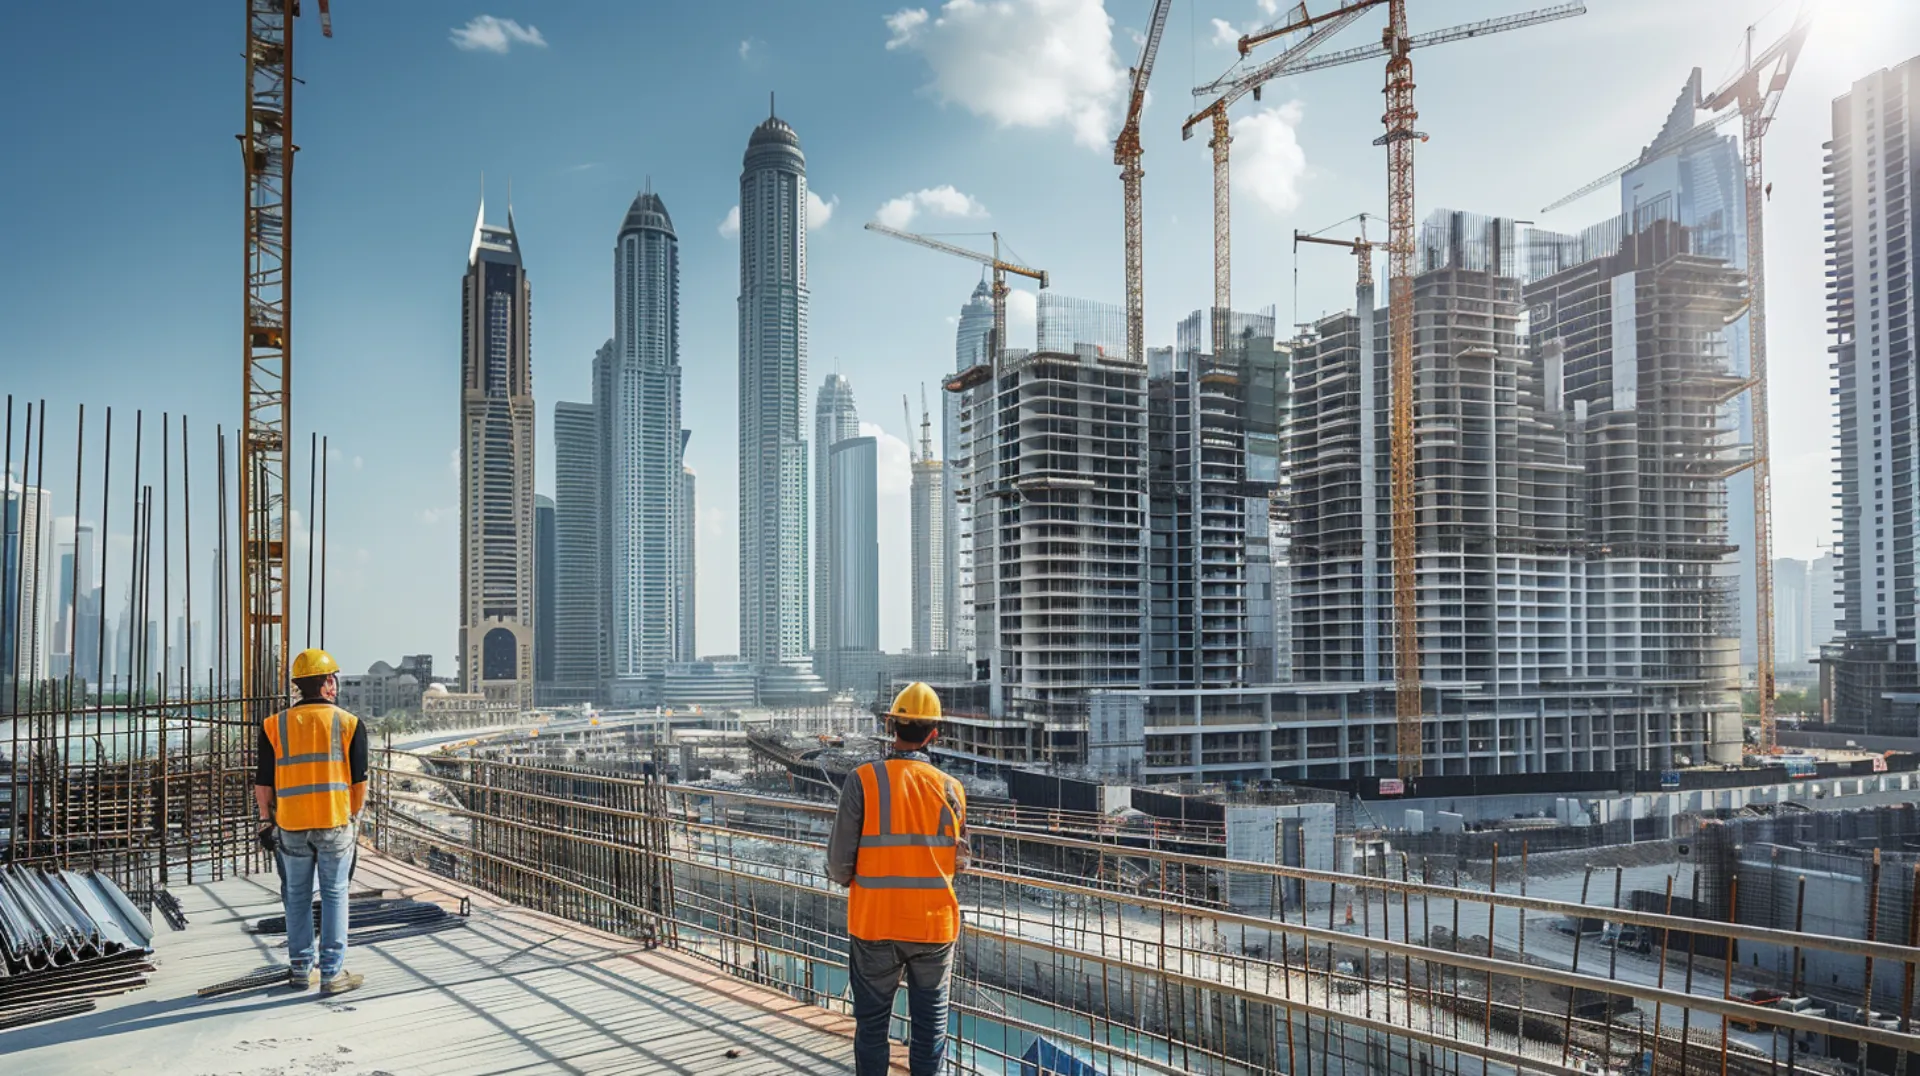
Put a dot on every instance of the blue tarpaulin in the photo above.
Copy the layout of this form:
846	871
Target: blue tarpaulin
1043	1058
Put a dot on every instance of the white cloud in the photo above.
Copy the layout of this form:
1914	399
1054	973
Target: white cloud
484	33
358	463
453	460
893	460
1271	7
730	226
1022	318
819	210
1021	63
943	200
746	48
1268	162
1226	34
590	165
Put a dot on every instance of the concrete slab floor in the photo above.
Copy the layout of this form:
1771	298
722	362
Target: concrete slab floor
512	992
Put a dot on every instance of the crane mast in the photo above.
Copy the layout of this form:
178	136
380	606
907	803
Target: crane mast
266	154
1756	90
1399	140
1126	154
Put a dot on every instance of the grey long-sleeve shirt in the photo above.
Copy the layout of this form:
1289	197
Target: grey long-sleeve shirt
843	845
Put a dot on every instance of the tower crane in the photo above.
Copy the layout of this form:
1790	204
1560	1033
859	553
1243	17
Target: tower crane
1000	270
926	428
1756	90
1126	154
266	155
1298	58
906	412
1362	251
1231	87
1396	45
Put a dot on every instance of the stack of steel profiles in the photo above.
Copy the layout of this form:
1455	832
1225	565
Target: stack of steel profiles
378	919
65	937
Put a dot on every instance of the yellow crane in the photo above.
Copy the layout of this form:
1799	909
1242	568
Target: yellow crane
1000	269
1126	154
1395	44
1361	248
266	154
1756	90
1231	87
1753	95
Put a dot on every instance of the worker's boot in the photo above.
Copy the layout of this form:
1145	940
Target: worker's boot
340	982
302	980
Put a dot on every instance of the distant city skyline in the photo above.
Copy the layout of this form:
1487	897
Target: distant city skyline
372	271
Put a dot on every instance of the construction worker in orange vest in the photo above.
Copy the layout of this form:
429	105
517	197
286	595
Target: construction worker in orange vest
310	785
898	841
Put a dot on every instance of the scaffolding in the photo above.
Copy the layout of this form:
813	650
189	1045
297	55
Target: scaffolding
135	758
1114	944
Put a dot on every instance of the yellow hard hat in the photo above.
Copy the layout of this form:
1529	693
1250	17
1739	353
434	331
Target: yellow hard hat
916	702
313	663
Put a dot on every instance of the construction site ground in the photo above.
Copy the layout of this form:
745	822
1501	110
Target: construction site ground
512	991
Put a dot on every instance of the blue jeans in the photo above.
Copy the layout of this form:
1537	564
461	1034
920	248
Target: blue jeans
307	855
877	968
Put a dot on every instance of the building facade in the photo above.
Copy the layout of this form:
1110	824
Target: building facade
496	469
577	537
835	419
1057	474
1700	182
969	350
927	503
1792	612
1872	166
1565	625
641	438
1197	513
774	613
853	548
689	560
545	608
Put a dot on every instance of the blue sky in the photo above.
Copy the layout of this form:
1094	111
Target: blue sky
122	275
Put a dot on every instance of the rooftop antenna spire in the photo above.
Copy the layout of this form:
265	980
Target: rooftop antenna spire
771	114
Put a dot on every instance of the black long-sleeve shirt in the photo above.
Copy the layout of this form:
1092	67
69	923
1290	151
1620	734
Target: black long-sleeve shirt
356	752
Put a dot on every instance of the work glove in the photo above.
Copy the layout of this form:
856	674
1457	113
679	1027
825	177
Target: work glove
269	838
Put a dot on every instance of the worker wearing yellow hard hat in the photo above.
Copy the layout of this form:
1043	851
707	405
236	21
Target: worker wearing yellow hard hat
898	840
310	785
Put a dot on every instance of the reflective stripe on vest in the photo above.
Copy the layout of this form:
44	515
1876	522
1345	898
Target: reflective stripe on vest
312	777
903	879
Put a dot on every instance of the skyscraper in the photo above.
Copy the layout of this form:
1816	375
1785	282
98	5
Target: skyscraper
1792	611
969	349
638	403
1700	182
577	530
545	564
853	546
1871	163
928	558
26	544
496	468
834	420
773	373
689	560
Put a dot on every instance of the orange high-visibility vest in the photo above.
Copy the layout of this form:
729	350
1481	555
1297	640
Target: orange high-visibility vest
311	776
909	842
